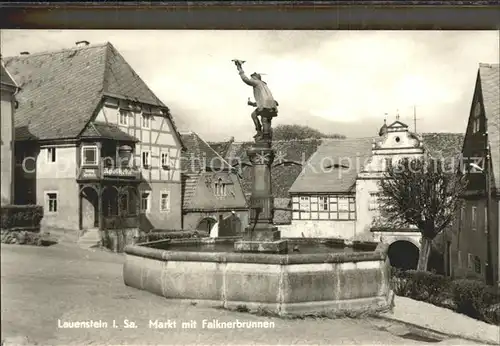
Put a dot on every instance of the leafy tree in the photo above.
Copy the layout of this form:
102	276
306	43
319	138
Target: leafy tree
290	132
425	193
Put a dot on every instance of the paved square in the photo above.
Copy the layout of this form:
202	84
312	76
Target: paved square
41	286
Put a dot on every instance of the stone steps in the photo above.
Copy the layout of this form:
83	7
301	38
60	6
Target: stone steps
91	238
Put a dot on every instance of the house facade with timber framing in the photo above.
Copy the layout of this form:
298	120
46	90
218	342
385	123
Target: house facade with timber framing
94	145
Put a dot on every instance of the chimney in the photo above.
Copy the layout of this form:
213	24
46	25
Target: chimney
25	53
82	43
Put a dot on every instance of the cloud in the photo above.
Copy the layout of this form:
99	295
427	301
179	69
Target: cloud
339	76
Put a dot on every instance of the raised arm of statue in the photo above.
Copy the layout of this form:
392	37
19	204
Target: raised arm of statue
245	79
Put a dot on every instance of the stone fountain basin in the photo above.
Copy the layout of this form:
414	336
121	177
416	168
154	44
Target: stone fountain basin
286	284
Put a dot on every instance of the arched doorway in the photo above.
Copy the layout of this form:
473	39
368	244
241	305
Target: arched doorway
403	255
209	225
110	196
89	207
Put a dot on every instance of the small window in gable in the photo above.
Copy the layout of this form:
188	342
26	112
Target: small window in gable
220	188
476	120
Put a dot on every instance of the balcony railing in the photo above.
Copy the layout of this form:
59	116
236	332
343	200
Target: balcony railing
100	171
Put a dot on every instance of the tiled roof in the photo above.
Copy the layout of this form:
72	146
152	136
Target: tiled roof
282	217
199	192
62	89
489	75
293	153
445	146
354	152
5	77
198	153
196	157
107	131
189	183
320	174
221	147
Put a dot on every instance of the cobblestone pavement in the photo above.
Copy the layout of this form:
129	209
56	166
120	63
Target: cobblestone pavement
42	287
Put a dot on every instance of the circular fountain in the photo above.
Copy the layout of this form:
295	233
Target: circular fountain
257	271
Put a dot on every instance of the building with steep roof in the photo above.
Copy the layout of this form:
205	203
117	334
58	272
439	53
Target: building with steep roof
336	194
212	199
473	244
291	155
94	145
328	188
9	89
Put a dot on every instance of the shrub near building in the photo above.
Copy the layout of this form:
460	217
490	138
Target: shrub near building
20	224
469	297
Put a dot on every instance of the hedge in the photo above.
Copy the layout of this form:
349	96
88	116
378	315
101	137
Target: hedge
17	217
469	297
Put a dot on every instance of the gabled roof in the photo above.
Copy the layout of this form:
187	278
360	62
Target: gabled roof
201	162
198	153
489	75
6	78
189	184
397	124
321	174
106	131
292	154
334	167
61	90
199	193
443	145
221	147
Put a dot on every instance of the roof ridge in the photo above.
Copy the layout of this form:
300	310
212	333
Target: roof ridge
490	65
58	51
9	75
310	139
214	151
134	73
106	69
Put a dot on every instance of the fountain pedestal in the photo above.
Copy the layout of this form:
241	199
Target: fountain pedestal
261	235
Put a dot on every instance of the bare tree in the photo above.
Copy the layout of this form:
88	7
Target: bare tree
424	193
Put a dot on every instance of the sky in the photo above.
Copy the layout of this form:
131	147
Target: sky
336	81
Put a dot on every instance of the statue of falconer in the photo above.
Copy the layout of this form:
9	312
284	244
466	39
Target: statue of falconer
264	101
